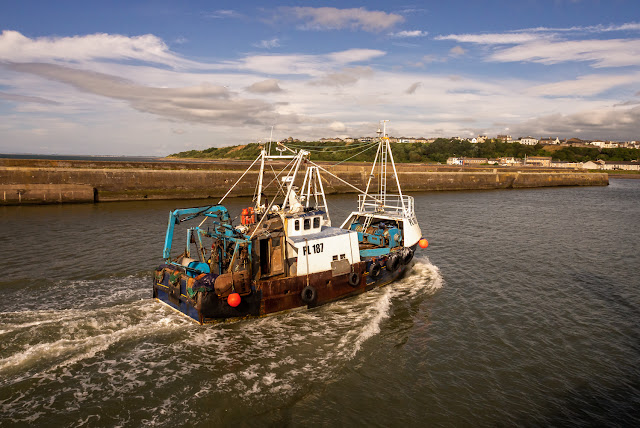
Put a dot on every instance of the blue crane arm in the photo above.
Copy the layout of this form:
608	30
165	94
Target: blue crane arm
191	213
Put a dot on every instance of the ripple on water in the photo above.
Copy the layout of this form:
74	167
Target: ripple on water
114	351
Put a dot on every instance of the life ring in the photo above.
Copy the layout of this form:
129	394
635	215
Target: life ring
407	256
393	262
375	269
354	279
308	294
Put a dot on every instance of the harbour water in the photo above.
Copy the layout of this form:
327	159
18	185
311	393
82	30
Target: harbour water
523	311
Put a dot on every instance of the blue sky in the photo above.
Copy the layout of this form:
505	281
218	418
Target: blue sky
153	78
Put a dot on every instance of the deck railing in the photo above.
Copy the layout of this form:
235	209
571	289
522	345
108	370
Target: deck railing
392	204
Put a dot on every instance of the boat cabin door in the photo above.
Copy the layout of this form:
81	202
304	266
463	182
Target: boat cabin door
271	256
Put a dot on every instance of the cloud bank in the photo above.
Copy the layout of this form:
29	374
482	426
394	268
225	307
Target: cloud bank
65	88
331	18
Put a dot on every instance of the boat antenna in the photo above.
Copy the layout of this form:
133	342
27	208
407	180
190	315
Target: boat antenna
270	140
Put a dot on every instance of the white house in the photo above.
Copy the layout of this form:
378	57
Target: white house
529	141
509	161
620	166
590	165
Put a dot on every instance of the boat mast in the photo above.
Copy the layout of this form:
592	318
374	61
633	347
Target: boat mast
312	187
395	174
383	155
383	163
292	175
263	153
371	175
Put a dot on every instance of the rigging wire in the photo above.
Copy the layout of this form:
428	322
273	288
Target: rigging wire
336	148
351	157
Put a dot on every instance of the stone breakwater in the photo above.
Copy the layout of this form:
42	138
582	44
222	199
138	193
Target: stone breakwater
26	181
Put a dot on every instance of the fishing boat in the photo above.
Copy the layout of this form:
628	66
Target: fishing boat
285	254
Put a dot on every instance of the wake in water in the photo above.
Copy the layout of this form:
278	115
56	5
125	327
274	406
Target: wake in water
129	354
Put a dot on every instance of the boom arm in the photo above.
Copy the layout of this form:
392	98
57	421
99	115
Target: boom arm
217	211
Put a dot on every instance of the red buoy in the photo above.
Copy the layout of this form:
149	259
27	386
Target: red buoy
423	243
233	300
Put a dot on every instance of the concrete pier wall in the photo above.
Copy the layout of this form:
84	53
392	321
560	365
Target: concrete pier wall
23	181
19	194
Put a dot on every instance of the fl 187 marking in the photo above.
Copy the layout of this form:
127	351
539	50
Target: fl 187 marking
315	249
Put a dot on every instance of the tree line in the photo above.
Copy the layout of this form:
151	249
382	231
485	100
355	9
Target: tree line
437	152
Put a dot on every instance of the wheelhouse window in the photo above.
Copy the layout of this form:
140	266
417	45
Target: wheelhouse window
316	222
297	224
307	223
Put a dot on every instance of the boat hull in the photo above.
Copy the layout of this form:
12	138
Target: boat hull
270	296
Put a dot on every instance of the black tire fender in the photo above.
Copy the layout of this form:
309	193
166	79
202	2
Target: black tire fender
354	279
375	270
393	262
308	294
407	256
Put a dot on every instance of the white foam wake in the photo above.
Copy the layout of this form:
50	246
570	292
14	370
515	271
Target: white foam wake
116	351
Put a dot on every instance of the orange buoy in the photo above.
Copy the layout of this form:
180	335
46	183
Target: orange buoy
423	243
233	300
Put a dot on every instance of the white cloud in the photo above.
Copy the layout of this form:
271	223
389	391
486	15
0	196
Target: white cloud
457	51
337	126
331	18
26	99
415	33
15	47
604	123
584	85
492	39
601	53
268	44
355	55
223	13
630	26
552	46
265	87
347	76
205	103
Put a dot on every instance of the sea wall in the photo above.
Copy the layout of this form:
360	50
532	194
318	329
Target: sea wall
24	181
18	194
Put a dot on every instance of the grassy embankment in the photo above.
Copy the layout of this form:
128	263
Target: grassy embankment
436	152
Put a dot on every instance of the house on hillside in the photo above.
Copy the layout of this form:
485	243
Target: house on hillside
612	165
474	161
619	165
504	138
454	161
540	161
577	142
590	165
549	140
563	164
611	145
509	161
529	141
